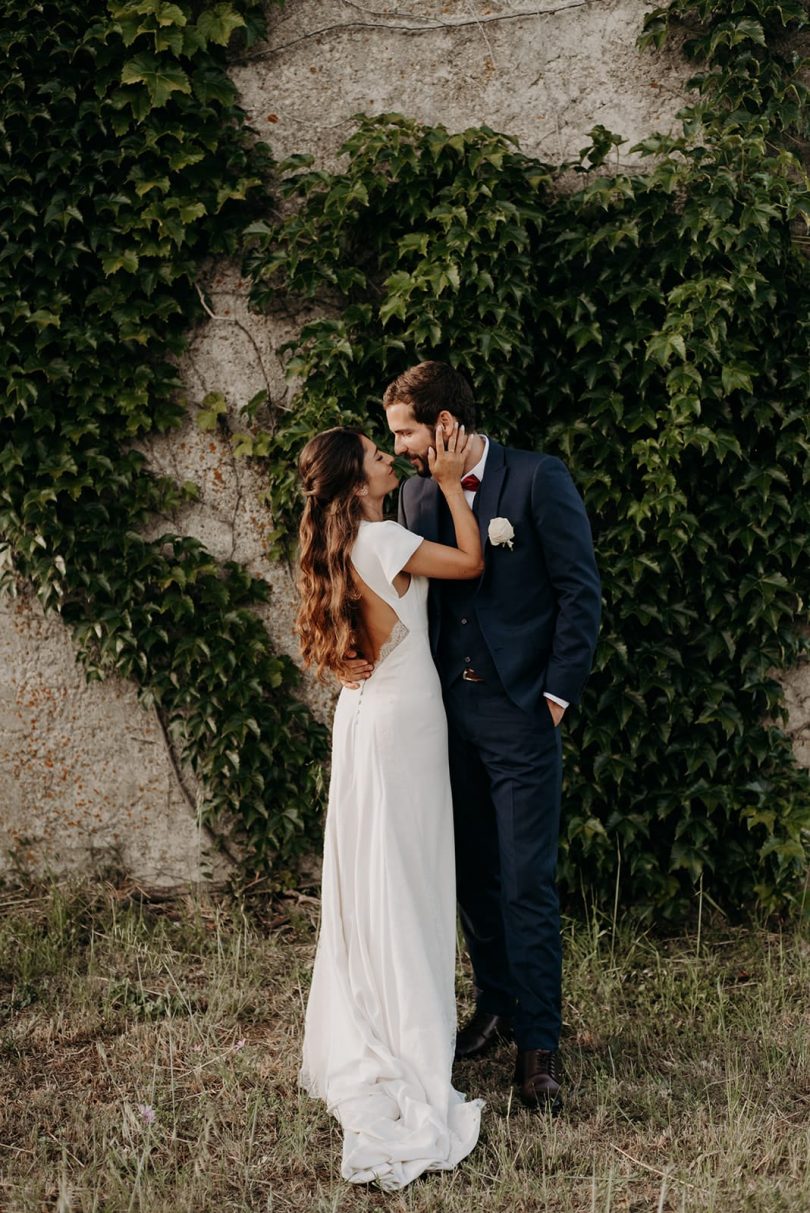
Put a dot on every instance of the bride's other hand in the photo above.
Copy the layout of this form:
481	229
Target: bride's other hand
446	459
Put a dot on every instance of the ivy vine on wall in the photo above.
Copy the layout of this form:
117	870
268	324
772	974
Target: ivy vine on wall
653	329
650	327
126	163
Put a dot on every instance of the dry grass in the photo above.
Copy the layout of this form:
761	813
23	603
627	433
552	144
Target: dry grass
688	1078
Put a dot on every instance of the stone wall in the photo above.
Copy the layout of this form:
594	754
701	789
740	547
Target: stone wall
88	780
87	776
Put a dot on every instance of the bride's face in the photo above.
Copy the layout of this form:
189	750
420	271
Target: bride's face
378	468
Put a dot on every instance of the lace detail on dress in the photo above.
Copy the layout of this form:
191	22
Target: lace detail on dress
398	634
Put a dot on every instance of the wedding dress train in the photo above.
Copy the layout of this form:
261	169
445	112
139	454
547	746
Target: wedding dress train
381	1020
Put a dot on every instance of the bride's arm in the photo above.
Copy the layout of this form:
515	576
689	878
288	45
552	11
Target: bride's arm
436	559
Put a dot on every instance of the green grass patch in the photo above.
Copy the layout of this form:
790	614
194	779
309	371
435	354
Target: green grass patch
148	1061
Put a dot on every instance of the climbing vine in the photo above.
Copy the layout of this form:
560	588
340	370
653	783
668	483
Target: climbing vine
125	164
651	328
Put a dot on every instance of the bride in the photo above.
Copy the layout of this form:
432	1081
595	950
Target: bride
381	1021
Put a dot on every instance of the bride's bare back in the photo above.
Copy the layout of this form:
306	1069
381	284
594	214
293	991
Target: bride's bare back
377	618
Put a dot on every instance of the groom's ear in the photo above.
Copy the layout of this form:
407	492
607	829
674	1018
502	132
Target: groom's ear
446	420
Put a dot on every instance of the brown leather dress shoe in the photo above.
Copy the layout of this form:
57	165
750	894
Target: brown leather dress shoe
538	1075
481	1033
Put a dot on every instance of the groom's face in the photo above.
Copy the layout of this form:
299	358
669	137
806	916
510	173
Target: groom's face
411	437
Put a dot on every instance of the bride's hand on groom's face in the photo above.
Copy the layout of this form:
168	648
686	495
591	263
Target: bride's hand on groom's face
355	670
446	459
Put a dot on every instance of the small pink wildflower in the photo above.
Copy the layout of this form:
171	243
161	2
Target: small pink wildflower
240	1044
147	1112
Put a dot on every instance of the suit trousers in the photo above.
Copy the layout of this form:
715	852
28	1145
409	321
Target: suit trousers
506	776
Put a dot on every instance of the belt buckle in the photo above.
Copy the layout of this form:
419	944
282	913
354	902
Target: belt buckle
470	676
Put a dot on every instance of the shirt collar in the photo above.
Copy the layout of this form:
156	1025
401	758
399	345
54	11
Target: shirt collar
478	470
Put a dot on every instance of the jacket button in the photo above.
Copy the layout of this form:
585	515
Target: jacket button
464	621
467	660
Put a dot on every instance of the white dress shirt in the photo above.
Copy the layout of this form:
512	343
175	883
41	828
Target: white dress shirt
478	470
469	496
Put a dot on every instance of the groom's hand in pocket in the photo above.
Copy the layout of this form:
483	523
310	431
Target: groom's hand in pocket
557	711
355	670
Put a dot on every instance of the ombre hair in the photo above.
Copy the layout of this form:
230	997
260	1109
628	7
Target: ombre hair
331	471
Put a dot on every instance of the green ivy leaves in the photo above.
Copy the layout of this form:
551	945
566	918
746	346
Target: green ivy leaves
651	328
126	165
161	79
218	23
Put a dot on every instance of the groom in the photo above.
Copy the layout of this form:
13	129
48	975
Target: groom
513	651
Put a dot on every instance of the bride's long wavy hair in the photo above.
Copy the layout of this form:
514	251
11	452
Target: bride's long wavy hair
331	471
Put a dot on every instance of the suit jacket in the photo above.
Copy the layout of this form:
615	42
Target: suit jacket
538	604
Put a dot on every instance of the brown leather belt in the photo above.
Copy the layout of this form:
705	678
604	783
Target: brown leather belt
471	676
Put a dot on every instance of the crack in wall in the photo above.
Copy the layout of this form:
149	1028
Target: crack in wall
413	29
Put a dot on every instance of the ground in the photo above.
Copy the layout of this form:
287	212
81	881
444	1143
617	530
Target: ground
148	1060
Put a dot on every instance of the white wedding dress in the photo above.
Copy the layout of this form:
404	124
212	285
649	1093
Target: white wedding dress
381	1018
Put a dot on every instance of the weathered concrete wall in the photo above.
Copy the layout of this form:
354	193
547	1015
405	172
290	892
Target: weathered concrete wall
543	72
86	776
86	779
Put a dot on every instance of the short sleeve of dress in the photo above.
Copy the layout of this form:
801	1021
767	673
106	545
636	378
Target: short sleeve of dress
380	552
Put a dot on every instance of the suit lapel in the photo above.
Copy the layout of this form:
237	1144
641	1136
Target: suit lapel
424	518
489	494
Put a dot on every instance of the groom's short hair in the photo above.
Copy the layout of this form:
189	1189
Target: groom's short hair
430	387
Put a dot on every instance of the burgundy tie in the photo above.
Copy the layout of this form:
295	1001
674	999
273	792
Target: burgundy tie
470	484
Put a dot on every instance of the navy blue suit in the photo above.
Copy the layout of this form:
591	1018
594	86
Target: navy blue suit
527	625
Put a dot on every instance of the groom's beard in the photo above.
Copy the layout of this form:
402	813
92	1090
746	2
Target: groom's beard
421	464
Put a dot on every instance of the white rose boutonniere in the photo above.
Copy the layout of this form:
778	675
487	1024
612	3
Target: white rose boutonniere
501	531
